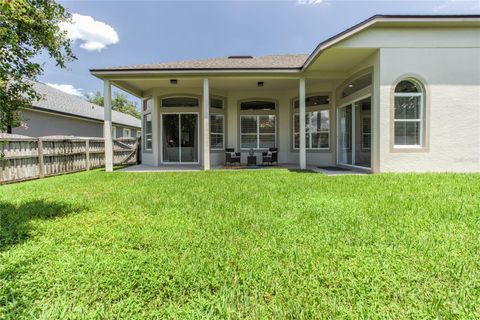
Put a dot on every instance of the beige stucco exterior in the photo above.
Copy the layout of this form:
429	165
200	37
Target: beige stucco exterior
444	58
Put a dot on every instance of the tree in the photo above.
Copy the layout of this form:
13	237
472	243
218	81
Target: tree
120	103
28	28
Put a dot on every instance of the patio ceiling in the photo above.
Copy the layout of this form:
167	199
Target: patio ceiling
138	85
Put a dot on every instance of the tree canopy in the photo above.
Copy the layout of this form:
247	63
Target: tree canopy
28	28
120	103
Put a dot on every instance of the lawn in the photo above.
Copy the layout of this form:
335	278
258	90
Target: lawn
240	244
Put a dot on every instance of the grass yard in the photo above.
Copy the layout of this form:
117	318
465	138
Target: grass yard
240	244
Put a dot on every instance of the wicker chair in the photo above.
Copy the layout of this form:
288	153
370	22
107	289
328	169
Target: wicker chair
270	157
231	156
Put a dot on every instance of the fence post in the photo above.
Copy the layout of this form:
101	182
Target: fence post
41	164
87	153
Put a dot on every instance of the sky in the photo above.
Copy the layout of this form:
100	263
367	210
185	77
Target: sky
115	33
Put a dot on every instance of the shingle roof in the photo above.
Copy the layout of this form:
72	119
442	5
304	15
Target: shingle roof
61	102
287	61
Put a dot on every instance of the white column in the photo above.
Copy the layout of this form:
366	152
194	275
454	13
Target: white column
107	125
156	149
303	150
206	125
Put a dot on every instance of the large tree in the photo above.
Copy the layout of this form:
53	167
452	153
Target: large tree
120	103
28	28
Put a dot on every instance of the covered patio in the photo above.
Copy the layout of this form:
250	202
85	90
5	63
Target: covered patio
193	112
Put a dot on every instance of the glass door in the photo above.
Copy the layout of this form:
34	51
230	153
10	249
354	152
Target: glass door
180	138
344	136
354	135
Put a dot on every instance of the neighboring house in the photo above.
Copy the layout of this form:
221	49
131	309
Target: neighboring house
393	93
60	113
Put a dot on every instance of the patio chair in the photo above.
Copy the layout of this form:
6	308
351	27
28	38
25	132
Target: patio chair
231	156
270	157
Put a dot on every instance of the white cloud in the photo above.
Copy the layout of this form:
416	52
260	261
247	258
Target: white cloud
309	1
460	6
67	88
93	34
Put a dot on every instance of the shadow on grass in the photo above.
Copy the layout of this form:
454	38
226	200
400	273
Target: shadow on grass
301	171
15	220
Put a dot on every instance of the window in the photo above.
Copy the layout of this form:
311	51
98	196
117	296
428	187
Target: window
216	131
257	105
313	101
317	130
257	131
357	85
408	114
179	102
114	132
127	133
147	129
216	103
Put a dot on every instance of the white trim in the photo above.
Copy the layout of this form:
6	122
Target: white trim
179	128
420	119
127	133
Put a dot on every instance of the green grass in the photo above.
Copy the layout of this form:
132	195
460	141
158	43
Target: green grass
241	244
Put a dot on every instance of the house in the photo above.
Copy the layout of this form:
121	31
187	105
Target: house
60	113
391	94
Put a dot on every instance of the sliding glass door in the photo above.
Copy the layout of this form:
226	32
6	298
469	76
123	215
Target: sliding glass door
354	134
180	138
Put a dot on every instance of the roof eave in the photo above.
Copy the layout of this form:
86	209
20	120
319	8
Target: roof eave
105	72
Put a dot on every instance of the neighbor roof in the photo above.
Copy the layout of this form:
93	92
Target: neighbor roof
60	102
292	62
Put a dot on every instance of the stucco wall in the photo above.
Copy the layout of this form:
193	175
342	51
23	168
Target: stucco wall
451	77
47	124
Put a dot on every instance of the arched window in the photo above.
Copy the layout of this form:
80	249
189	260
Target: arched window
172	102
409	113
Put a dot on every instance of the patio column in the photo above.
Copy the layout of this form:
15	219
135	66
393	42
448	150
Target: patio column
206	125
107	125
303	150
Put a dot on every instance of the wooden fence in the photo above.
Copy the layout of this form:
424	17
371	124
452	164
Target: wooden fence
31	158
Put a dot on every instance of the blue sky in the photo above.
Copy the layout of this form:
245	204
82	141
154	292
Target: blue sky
114	33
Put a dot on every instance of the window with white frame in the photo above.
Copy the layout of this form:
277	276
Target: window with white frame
317	123
217	131
127	133
147	125
408	114
317	130
257	131
114	132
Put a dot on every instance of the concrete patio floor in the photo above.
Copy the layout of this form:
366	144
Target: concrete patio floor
195	167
